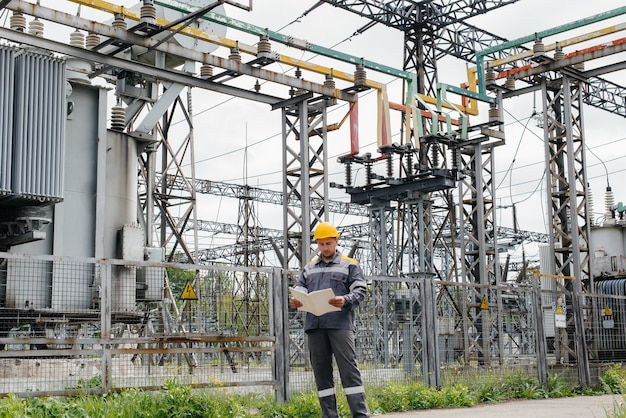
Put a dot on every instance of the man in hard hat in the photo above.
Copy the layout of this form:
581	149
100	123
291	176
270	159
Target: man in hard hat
332	334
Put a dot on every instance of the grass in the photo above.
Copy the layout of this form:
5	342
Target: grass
177	400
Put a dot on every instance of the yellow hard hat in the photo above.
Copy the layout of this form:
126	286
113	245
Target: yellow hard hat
325	230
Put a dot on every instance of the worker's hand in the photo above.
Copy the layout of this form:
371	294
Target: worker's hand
294	303
337	301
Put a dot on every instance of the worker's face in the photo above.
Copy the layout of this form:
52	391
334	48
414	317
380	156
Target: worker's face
327	247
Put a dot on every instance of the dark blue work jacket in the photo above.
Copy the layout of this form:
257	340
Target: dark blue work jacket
345	277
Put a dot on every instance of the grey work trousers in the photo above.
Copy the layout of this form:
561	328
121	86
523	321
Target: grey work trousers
323	345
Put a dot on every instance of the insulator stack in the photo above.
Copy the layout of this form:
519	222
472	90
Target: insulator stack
118	118
409	163
349	174
509	83
264	48
360	76
590	203
119	22
539	47
18	22
389	165
148	12
77	39
206	71
368	172
609	202
558	53
92	40
35	28
490	76
434	153
235	55
455	158
580	66
329	81
494	113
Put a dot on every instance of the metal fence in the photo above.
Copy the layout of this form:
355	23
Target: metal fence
70	325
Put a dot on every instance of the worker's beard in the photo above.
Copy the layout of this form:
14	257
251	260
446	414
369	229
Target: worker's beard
328	255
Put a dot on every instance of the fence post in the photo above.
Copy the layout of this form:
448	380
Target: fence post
105	319
280	322
430	332
540	335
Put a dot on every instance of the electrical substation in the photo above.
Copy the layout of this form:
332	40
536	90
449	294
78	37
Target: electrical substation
106	274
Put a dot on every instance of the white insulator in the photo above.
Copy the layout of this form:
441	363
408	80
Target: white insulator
119	22
490	76
264	47
148	13
18	22
494	113
118	118
35	28
609	201
235	55
580	66
360	76
329	81
539	47
77	39
206	71
92	40
590	204
509	83
559	54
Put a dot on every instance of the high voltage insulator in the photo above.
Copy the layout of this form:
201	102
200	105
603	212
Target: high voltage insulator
490	76
148	12
494	113
264	48
206	71
609	201
235	55
35	28
558	53
360	76
509	83
77	39
349	173
539	47
118	118
329	81
18	22
119	22
92	40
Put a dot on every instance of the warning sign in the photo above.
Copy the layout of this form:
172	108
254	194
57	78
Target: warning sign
189	293
484	304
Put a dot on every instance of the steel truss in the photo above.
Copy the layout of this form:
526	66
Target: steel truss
304	175
567	200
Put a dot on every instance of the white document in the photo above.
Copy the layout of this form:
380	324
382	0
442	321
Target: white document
315	302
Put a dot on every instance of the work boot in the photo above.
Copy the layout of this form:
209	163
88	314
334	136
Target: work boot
358	405
329	406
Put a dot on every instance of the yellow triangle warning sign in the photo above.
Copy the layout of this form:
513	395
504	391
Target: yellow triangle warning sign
189	293
484	304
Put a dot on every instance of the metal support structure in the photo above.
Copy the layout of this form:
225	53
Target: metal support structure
247	289
567	200
382	293
304	176
476	191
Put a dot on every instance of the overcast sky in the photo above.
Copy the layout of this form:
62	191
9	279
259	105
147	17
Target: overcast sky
238	141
